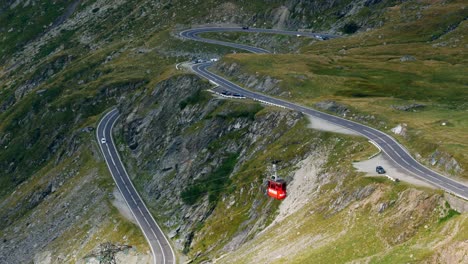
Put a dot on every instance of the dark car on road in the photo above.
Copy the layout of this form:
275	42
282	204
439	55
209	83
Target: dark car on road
379	170
245	27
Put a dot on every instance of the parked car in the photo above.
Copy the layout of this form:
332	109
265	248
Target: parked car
379	170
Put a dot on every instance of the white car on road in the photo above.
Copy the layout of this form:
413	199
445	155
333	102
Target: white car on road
103	140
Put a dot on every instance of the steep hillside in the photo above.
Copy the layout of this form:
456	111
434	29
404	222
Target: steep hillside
409	73
66	210
200	161
215	154
61	65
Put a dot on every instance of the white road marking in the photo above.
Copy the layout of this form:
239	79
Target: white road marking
399	155
146	220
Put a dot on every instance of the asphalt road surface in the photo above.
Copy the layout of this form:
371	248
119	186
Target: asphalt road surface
388	144
160	246
193	35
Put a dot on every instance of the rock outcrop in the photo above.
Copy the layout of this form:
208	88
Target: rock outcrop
179	134
265	84
445	162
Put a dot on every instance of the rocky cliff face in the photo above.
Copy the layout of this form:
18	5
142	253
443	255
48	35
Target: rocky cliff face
191	136
60	215
179	136
64	58
59	71
199	161
265	84
300	14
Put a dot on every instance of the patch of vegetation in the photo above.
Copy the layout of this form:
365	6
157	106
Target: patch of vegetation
450	214
26	22
64	38
198	97
350	27
211	184
246	111
219	143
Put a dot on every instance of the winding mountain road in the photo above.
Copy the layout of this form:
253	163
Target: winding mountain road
193	34
160	246
388	144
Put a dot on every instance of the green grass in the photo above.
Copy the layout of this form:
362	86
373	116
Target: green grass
88	175
310	77
211	184
358	232
240	111
364	72
40	124
293	144
64	38
368	72
27	23
199	97
451	213
358	242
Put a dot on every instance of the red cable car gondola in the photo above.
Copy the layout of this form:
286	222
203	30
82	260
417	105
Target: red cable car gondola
276	187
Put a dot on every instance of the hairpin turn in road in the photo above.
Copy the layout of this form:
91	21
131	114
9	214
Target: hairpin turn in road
160	246
388	144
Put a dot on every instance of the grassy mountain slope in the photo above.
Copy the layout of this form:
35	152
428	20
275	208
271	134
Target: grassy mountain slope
370	73
62	64
65	211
